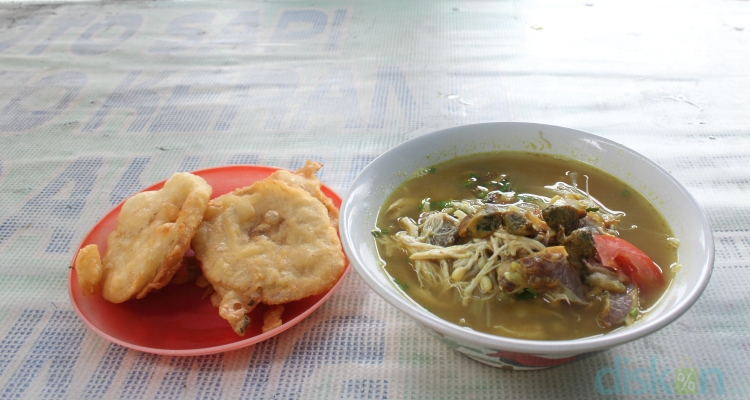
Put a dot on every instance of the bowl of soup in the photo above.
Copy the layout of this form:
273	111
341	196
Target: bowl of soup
525	245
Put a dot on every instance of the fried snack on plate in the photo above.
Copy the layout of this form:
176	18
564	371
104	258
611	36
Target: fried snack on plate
154	230
89	269
188	271
272	317
271	242
305	179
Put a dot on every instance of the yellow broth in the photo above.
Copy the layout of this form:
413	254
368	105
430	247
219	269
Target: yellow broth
528	173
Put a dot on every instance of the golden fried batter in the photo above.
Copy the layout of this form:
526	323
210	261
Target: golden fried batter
89	269
271	242
305	179
154	229
272	317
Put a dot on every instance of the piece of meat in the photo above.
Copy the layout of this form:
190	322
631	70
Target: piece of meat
620	305
617	307
498	197
445	237
580	245
516	223
482	223
487	220
549	270
604	278
503	268
563	218
506	285
439	229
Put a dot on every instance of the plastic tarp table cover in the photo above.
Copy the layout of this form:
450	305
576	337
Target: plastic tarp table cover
100	100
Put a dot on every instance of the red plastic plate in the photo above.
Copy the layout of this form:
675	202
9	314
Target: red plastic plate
176	320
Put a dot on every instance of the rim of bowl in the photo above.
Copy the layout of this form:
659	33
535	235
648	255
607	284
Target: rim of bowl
539	347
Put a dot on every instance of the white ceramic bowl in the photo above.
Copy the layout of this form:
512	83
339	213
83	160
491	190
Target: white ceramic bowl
373	185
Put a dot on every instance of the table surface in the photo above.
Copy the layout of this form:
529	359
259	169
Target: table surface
100	100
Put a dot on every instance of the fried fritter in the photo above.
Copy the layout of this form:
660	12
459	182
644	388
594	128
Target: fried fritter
154	230
188	271
89	269
305	179
271	242
272	317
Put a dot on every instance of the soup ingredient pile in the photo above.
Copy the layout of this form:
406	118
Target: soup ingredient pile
516	247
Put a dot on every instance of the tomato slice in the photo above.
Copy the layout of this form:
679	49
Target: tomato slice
620	255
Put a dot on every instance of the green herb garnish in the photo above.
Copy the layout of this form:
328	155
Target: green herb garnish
379	232
527	294
439	205
471	182
474	184
398	283
625	192
634	312
503	185
592	209
245	323
431	170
